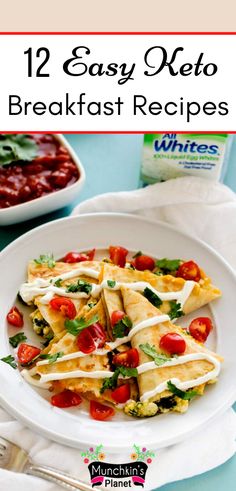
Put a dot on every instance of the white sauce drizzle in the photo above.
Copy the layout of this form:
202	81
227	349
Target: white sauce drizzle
29	291
98	374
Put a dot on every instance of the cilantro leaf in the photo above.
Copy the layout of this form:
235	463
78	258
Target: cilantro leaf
111	283
152	297
52	358
122	327
75	326
127	371
158	358
185	395
58	282
17	147
10	360
80	286
46	259
15	340
111	382
139	253
175	310
168	265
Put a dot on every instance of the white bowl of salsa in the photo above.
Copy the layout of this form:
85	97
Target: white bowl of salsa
31	187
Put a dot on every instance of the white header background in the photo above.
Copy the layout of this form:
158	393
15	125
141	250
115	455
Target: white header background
162	88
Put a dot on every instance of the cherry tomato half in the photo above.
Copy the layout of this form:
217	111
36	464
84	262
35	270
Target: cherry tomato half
117	316
66	398
98	334
26	353
90	338
100	412
77	257
15	317
63	305
144	262
189	271
173	343
200	328
121	394
118	255
129	358
85	341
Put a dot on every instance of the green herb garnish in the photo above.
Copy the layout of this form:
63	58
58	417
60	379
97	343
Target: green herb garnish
52	358
58	282
185	395
111	382
80	286
10	360
175	310
111	283
75	326
152	297
15	340
14	148
168	265
158	358
121	328
46	259
139	253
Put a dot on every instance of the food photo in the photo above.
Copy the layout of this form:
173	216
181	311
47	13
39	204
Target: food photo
117	258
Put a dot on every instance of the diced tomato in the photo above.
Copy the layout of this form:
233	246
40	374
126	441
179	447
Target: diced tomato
121	394
117	316
129	358
66	398
200	328
85	341
77	257
15	317
143	262
100	412
63	305
26	353
98	334
173	343
189	271
118	255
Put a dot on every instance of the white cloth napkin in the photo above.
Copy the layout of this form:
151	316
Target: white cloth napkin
205	210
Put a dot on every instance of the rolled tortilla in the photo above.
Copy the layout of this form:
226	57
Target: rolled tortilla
202	293
53	318
138	308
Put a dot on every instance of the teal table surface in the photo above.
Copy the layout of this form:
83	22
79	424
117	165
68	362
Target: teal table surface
112	163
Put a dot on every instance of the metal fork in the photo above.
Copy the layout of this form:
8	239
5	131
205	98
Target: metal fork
14	458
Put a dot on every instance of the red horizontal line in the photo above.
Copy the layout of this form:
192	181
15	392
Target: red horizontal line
119	132
119	33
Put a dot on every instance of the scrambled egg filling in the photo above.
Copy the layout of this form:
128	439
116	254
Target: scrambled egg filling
148	409
40	326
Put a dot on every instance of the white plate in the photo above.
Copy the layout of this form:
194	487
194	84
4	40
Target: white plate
74	427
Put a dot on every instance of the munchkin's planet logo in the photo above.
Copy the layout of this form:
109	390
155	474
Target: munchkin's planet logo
118	475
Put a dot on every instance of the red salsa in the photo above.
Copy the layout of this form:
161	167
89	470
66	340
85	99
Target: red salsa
52	169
